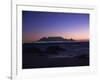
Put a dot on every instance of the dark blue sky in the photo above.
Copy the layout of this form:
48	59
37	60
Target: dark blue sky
43	24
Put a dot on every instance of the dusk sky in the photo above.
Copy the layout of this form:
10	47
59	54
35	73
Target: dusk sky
36	25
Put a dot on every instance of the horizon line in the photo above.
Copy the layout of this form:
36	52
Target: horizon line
83	40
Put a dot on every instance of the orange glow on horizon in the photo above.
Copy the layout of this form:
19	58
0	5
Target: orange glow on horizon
76	36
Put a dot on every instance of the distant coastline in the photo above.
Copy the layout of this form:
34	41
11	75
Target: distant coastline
57	39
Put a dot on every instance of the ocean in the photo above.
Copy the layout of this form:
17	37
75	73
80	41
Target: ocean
55	54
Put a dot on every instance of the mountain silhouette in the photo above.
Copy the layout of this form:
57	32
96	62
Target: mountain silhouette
57	38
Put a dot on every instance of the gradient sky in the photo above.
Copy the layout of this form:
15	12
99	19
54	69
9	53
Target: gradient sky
36	25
